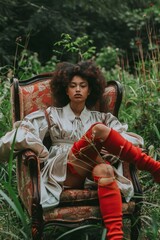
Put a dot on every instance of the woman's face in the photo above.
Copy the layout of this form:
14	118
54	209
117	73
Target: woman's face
78	90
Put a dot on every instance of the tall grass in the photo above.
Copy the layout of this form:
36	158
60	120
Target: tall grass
9	195
141	110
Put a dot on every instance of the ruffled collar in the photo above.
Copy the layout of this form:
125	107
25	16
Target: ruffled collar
84	116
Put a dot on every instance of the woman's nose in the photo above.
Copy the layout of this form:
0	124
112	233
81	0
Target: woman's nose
77	88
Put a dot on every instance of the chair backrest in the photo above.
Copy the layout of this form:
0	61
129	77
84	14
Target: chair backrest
32	94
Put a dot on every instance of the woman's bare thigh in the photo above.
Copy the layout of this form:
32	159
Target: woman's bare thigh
78	170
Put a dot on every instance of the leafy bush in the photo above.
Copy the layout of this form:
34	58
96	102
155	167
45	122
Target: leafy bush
108	57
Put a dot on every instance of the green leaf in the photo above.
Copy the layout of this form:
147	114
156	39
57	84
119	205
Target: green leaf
11	158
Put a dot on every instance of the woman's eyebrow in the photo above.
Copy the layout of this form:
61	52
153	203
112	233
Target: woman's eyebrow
78	83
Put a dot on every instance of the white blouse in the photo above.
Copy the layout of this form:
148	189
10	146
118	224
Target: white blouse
65	128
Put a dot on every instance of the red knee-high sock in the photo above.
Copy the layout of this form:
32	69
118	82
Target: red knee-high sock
117	145
87	145
111	210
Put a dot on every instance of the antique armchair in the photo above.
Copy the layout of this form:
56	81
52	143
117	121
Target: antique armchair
77	206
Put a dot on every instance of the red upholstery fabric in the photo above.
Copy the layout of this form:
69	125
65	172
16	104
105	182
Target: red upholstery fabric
37	95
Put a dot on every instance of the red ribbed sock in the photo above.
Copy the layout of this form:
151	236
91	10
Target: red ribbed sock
87	145
117	145
111	210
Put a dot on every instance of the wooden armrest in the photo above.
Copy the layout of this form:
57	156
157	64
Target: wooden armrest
28	155
28	174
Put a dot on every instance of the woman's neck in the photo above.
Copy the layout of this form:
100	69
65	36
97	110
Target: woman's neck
77	108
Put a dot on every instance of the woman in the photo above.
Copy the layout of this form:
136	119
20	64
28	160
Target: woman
80	140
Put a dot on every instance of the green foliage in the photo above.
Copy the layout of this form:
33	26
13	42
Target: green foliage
142	22
141	100
82	232
152	232
107	23
29	65
5	107
108	57
9	195
80	47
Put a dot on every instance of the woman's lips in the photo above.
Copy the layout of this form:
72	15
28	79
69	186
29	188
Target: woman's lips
78	95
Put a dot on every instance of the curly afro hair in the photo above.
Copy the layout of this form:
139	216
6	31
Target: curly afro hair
63	75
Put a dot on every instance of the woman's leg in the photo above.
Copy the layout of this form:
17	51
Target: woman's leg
110	200
83	157
80	168
109	197
126	151
99	136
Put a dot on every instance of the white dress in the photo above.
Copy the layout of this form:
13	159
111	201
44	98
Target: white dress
65	128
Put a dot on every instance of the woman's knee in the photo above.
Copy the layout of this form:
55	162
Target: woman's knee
103	170
103	173
101	131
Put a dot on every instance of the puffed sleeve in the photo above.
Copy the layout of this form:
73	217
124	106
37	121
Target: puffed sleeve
112	122
29	134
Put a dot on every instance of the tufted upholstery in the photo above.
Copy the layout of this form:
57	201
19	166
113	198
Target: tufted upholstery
76	205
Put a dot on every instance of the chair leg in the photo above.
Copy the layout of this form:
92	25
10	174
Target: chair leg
37	222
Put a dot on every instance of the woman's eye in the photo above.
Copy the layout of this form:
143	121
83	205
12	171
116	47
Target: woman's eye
72	86
83	86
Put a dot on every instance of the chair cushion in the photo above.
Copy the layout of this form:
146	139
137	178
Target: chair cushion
79	205
80	196
81	213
